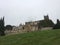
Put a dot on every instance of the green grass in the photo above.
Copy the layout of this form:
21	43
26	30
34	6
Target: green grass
48	37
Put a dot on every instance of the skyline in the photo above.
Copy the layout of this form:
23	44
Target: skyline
20	11
29	20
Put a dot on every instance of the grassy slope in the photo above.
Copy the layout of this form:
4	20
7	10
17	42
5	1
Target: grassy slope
51	37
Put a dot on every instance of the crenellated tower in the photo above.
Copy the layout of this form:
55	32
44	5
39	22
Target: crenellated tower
46	17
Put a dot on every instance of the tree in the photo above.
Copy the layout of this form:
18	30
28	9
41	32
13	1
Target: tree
58	21
57	25
45	23
2	28
8	27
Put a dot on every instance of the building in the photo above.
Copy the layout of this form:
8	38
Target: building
44	24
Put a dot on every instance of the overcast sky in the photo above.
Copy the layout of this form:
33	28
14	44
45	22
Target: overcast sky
20	11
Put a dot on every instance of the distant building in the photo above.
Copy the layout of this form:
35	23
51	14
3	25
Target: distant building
41	24
46	17
44	24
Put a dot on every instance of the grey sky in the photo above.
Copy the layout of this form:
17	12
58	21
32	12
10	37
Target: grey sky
20	11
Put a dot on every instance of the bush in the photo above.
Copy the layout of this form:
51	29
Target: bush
8	27
57	26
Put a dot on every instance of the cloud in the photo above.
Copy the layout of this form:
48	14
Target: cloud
19	11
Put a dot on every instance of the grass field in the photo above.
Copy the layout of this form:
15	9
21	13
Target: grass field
48	37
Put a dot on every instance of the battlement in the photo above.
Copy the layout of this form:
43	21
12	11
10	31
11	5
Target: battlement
46	17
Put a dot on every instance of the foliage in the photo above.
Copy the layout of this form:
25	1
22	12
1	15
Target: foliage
45	23
8	27
2	28
57	26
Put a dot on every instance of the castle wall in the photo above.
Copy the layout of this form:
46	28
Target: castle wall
29	26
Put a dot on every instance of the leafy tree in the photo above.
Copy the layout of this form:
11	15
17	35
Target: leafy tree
45	23
2	28
8	27
57	25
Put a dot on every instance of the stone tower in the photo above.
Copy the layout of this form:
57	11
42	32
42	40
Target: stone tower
46	17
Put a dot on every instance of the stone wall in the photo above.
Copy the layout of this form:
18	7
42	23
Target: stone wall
32	26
